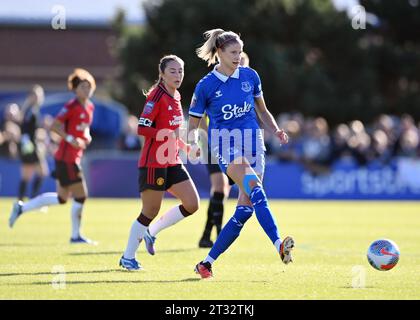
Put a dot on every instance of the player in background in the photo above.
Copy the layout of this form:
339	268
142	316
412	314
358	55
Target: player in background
72	124
231	95
160	167
220	186
32	153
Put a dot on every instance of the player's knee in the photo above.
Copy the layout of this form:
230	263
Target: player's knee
61	200
251	181
151	210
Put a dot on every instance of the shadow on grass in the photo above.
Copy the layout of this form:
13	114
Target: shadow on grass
49	283
13	245
45	283
356	288
55	273
120	252
41	283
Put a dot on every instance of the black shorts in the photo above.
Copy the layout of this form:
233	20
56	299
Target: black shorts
161	179
67	173
213	168
30	158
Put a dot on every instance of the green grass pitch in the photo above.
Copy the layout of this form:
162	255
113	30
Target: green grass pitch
329	259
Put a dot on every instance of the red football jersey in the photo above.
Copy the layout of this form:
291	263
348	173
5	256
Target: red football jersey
162	114
77	120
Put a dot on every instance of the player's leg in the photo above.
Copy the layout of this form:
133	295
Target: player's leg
26	173
252	196
232	229
41	171
250	183
187	193
151	200
182	187
45	199
79	193
219	191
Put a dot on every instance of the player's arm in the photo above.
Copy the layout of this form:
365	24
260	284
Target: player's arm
145	126
196	113
268	120
58	127
193	124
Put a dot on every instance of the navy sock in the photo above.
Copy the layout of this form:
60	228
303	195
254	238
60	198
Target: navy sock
36	186
231	231
214	214
22	189
263	213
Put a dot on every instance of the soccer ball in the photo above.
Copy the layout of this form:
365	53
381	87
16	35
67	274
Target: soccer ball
383	254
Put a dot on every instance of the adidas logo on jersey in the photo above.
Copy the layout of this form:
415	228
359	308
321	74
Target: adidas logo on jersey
170	107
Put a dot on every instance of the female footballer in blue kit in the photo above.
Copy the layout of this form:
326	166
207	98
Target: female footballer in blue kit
220	187
231	95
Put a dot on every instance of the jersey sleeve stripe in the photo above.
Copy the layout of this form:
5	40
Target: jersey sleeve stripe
196	114
159	93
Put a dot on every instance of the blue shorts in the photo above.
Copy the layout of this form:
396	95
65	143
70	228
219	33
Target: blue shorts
225	152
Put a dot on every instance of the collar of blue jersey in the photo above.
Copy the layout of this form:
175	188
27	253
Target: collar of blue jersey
224	78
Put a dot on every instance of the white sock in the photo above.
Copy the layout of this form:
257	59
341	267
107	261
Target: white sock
76	218
136	234
45	199
171	217
209	259
277	244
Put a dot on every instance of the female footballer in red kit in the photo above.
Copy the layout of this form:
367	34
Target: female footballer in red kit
72	124
160	168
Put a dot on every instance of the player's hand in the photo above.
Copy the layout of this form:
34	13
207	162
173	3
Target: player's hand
282	135
82	144
77	143
87	138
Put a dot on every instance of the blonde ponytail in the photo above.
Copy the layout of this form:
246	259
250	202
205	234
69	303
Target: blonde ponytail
215	39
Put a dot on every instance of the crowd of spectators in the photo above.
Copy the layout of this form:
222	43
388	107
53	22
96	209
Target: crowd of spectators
317	146
10	133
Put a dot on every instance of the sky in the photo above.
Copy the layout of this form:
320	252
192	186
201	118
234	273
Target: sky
74	9
103	10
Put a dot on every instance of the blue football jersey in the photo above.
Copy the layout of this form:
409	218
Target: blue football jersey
228	101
